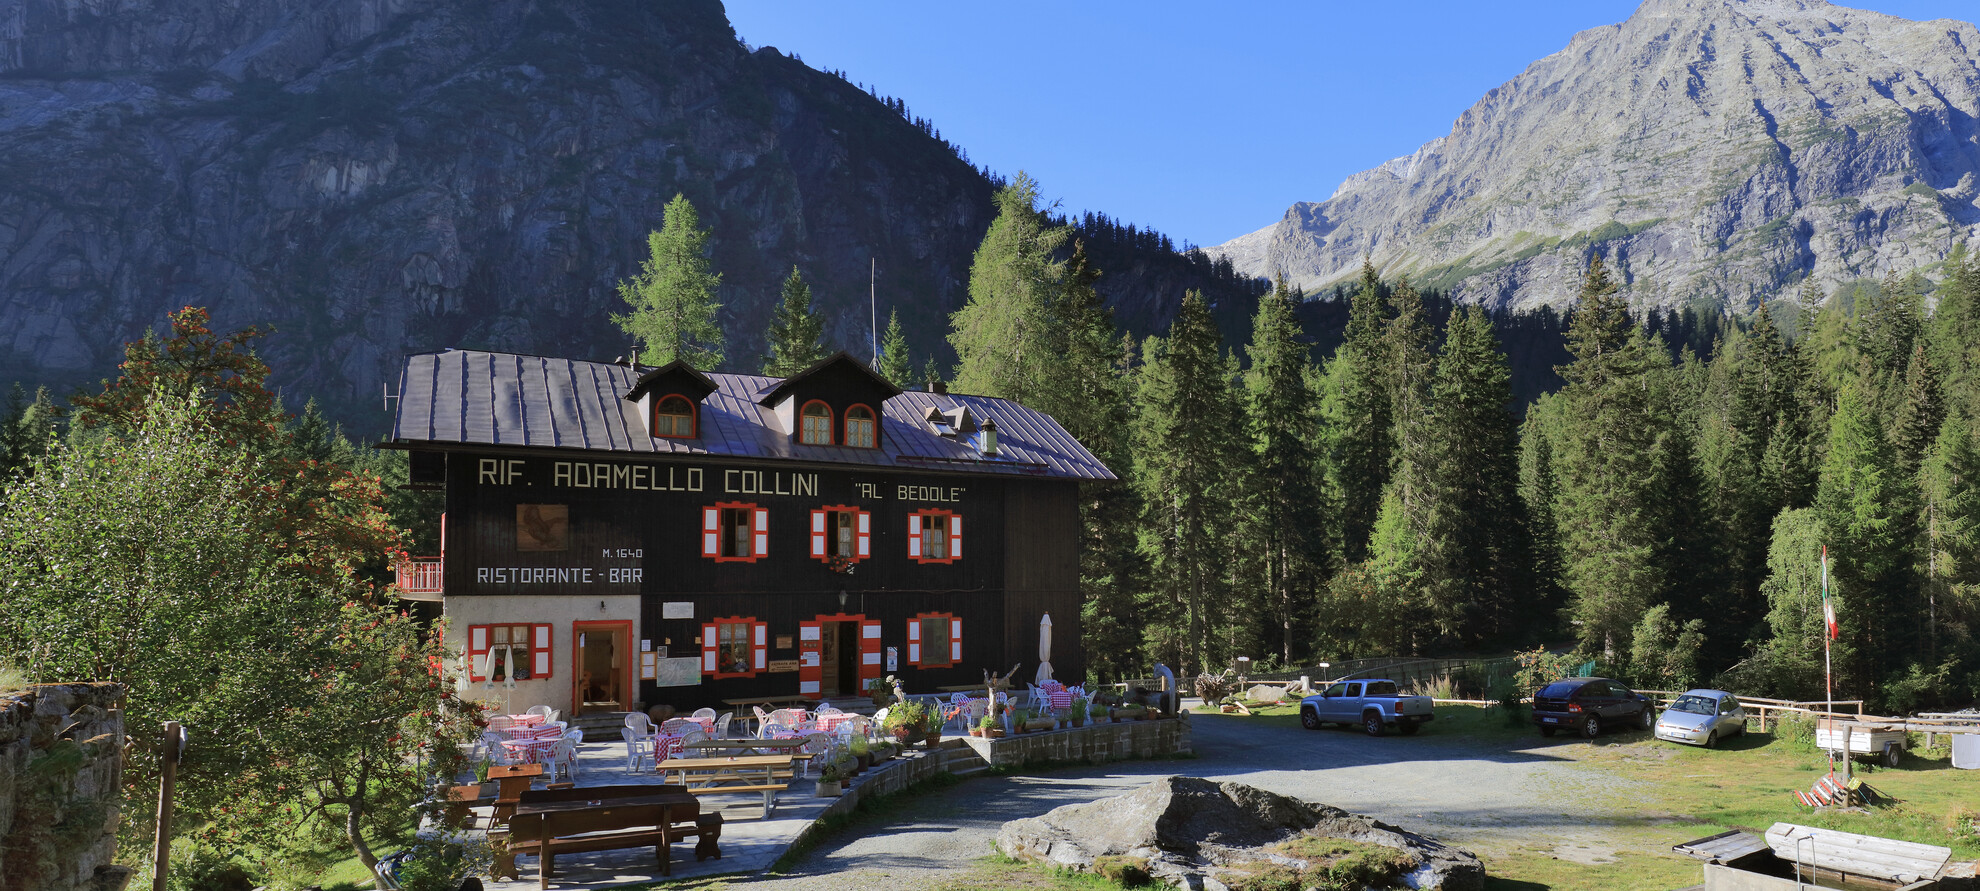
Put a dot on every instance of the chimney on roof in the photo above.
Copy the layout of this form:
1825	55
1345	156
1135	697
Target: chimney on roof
987	442
941	389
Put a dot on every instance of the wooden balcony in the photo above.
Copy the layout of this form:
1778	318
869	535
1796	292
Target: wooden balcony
419	578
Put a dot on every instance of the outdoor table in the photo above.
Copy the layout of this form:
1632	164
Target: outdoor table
711	775
548	820
830	721
665	746
526	720
513	780
530	750
1061	698
746	746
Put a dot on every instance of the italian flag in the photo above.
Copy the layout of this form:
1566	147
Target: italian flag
1828	606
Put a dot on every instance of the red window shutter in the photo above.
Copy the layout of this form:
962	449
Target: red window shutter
863	535
539	649
869	651
762	525
708	648
955	641
477	652
914	641
955	537
711	532
914	539
818	534
811	649
760	653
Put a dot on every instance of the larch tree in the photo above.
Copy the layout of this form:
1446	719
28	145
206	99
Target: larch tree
796	332
1002	334
672	298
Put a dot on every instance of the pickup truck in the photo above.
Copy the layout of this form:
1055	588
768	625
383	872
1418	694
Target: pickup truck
1374	704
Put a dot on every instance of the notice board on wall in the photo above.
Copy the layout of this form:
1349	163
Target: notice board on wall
681	672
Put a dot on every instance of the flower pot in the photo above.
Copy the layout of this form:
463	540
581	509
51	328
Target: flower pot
1041	726
933	739
864	761
994	733
830	790
976	732
1079	722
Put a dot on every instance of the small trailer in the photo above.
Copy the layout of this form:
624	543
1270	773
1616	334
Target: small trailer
1859	739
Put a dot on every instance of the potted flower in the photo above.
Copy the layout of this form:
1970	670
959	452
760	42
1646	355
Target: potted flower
905	719
831	783
880	690
862	753
1078	712
1042	722
1129	713
1021	720
984	728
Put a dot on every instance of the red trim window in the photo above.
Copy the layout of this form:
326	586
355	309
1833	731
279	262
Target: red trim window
841	533
673	417
934	536
735	647
735	532
497	652
934	640
815	423
862	429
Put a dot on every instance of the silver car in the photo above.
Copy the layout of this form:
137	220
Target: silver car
1702	717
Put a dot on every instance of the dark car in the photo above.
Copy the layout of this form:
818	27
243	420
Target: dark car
1586	705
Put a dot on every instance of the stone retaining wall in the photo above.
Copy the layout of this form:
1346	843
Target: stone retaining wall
61	776
1094	743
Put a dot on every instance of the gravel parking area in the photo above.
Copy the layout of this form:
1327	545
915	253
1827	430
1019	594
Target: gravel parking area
1450	788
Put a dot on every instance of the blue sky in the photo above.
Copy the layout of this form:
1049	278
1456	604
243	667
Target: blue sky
1202	121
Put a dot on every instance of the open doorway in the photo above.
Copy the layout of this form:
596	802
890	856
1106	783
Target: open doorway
601	667
839	659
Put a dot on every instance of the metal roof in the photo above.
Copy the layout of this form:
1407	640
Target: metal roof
470	397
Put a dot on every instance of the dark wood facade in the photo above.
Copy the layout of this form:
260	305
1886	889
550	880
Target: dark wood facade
537	522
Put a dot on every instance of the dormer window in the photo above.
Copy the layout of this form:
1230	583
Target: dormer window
815	424
860	427
673	417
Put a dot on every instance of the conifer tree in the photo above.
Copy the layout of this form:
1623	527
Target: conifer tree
1186	438
894	362
1916	424
1867	507
1539	491
1950	528
795	331
672	298
1611	530
1484	550
1288	495
1356	408
1002	334
26	425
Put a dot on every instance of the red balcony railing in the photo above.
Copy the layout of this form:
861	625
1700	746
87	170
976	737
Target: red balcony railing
419	576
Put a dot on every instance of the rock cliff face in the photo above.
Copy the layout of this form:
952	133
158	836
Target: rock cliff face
1711	149
372	177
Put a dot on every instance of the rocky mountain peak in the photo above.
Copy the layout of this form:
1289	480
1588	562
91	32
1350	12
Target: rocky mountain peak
1711	149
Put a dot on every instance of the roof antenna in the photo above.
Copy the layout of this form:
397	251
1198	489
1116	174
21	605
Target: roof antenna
873	307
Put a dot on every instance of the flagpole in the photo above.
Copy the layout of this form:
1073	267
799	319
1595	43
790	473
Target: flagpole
1828	633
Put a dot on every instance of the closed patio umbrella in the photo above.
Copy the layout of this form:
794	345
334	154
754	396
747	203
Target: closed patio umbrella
1045	647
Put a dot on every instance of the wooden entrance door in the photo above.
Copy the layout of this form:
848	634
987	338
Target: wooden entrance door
837	655
601	667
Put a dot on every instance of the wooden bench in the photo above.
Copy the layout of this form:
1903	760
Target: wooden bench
604	818
747	773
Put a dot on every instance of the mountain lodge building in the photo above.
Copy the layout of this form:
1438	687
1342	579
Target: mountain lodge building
616	535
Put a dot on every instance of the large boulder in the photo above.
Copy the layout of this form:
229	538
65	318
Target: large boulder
1195	833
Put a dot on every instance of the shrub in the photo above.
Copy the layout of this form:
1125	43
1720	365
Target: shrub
1796	731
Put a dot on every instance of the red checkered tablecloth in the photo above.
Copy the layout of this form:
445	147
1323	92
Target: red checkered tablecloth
532	751
526	720
526	734
1060	699
665	746
830	721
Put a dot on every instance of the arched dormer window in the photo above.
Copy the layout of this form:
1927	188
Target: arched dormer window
673	417
815	424
862	432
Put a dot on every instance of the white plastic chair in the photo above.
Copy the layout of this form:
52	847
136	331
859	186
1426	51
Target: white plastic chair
700	713
762	718
676	725
722	725
821	747
638	734
827	709
499	723
489	746
549	714
564	758
789	717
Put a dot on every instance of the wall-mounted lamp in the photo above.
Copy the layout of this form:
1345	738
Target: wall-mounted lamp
601	606
842	598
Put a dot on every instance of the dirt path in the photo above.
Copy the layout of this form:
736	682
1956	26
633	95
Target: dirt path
1457	790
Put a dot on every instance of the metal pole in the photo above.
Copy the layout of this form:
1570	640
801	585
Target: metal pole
873	306
161	863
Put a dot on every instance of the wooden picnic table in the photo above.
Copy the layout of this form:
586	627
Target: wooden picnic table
607	818
749	746
768	701
736	773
